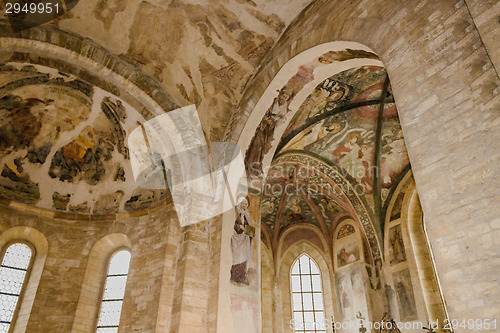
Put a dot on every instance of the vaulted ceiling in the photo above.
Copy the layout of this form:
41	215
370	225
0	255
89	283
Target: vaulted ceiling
202	52
63	140
73	156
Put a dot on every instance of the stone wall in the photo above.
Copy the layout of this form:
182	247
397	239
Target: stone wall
167	282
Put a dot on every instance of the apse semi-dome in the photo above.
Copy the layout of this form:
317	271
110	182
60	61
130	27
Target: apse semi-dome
63	144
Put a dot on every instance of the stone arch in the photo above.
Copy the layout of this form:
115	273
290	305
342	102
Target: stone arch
419	257
436	44
41	246
84	61
399	265
256	109
317	239
93	281
359	209
395	50
88	60
423	256
283	276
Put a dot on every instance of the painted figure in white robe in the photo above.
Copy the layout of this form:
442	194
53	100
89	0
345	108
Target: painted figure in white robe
242	243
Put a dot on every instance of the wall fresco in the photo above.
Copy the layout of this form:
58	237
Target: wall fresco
406	299
397	253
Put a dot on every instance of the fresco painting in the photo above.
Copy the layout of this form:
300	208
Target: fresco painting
345	295
245	313
296	210
348	138
328	208
350	290
322	197
397	252
347	245
404	291
394	156
345	230
347	252
332	91
397	207
60	138
337	124
319	203
359	292
242	243
269	210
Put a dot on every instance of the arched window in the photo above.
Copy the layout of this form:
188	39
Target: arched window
307	296
13	274
114	290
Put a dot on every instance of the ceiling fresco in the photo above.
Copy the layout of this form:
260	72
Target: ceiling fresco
347	138
63	144
350	122
202	52
304	189
302	198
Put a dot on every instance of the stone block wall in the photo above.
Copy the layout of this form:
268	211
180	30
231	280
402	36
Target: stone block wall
166	285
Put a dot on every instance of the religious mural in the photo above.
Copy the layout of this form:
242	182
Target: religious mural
345	295
333	93
317	203
322	196
397	207
350	290
245	313
242	243
297	210
397	252
338	121
328	208
243	270
404	291
348	254
61	139
347	246
345	230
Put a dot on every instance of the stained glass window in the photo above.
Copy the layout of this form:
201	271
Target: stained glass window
13	272
114	289
307	296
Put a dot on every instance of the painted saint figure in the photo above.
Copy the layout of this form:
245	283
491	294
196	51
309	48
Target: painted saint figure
396	242
348	155
345	257
242	242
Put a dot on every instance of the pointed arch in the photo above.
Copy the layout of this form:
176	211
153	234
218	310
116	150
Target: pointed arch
414	255
424	259
284	278
307	295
